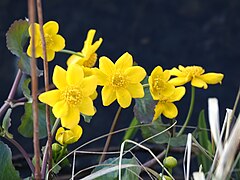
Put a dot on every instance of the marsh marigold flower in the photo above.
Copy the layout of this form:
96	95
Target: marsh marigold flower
166	105
158	82
72	96
120	81
68	136
88	51
196	75
54	41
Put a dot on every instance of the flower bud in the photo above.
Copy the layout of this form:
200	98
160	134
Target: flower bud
170	162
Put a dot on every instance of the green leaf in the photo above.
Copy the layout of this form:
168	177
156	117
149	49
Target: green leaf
204	142
129	173
26	91
17	37
7	123
26	126
7	170
163	138
144	107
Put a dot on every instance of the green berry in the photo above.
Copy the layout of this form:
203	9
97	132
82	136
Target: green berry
170	162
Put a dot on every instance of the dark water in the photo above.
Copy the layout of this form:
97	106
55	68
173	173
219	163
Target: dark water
155	32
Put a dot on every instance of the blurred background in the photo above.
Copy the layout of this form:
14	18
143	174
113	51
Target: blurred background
155	32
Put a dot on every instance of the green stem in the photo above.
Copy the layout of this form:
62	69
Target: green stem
189	112
72	53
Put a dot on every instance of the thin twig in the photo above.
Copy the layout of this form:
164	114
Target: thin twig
23	152
31	14
105	149
12	93
46	81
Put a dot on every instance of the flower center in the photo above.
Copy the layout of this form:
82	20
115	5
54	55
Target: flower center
158	84
118	80
192	71
91	61
48	40
72	95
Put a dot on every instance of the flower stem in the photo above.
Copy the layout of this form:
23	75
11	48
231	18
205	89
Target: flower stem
72	53
31	15
189	111
24	153
105	149
46	81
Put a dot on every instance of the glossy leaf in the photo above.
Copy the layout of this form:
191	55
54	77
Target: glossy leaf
7	123
17	37
126	173
26	90
7	170
26	126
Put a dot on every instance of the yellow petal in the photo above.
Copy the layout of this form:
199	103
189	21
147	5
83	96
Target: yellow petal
124	62
178	81
170	110
51	27
123	97
36	30
86	107
94	95
166	75
73	59
38	51
106	65
59	135
212	78
175	72
168	90
108	95
50	55
71	119
102	79
50	97
135	74
136	90
89	85
157	71
60	109
158	110
59	77
77	131
96	45
59	43
90	36
74	74
199	83
178	94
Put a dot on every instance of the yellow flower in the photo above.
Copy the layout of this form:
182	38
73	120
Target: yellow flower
72	96
54	41
88	51
158	82
68	136
121	80
166	106
196	75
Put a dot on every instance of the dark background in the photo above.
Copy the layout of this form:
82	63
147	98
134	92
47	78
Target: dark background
155	32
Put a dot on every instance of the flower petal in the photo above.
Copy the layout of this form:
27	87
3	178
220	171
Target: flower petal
59	77
178	94
50	55
123	97
175	72
60	109
50	97
199	83
124	62
108	95
74	74
51	27
89	85
106	65
59	42
59	135
178	81
90	36
136	90
86	107
158	110
96	45
170	110
135	74
212	78
71	119
102	79
36	30
73	59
